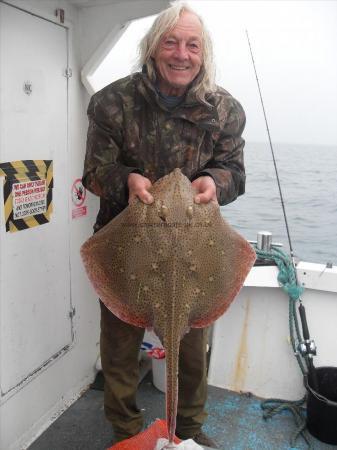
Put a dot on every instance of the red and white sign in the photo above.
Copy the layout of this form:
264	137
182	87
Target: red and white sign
79	212
29	198
78	195
78	192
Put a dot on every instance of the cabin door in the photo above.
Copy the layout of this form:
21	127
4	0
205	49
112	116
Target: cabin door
36	318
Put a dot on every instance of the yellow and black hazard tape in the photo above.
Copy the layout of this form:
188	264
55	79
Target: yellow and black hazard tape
26	171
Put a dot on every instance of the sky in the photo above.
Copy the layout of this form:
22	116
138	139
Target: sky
294	44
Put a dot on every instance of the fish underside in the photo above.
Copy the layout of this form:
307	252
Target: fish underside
170	266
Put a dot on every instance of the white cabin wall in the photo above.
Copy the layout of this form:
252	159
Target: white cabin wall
24	415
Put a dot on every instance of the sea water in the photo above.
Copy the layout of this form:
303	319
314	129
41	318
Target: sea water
308	178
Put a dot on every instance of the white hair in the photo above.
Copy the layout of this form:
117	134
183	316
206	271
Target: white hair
165	22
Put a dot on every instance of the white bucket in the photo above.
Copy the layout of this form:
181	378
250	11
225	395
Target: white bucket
159	373
152	339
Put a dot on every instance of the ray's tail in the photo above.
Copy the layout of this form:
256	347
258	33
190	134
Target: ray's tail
171	344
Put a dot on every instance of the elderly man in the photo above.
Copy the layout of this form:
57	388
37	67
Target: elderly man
142	127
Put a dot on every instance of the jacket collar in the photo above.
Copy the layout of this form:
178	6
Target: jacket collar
204	115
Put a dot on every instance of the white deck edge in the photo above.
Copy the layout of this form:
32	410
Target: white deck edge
310	276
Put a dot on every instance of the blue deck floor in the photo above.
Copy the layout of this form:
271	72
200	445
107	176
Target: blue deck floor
235	422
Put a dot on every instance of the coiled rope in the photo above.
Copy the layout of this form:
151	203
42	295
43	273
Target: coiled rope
288	282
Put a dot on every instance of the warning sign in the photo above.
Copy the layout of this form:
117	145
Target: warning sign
29	198
79	212
78	195
78	192
28	193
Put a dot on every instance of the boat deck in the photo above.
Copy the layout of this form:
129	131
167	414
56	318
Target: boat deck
235	422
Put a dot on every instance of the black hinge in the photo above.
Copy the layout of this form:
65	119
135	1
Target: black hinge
59	13
68	72
72	312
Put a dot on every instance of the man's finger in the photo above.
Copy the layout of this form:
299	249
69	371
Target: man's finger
132	197
146	197
143	195
138	188
205	197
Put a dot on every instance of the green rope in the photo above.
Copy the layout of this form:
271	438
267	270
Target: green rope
288	282
274	406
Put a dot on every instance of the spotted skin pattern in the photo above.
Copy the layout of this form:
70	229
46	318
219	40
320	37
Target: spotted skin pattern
170	266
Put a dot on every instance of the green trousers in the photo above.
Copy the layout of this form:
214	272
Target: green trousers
120	344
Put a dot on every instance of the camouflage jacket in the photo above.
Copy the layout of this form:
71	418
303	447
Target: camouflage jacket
131	130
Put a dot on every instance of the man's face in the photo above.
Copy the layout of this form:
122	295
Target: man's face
178	57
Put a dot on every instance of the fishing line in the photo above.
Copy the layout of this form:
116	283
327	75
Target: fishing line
272	152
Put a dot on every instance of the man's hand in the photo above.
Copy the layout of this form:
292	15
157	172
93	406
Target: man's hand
206	189
139	187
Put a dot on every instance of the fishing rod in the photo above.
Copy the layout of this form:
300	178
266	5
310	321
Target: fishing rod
306	347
